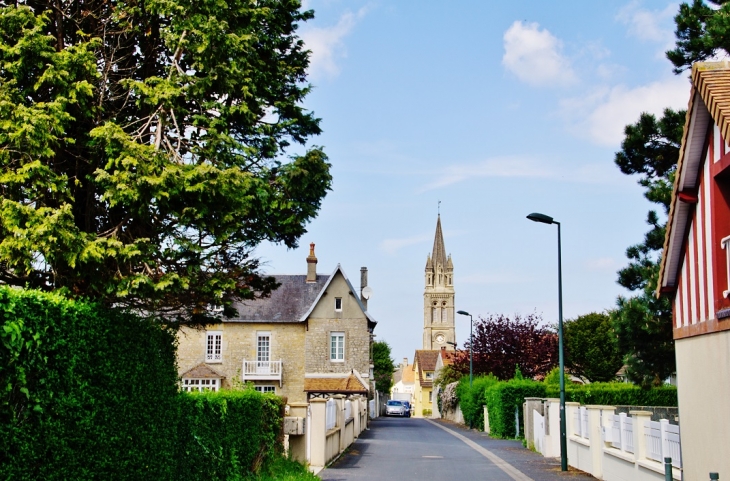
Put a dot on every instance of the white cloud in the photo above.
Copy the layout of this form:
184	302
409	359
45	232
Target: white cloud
649	25
603	114
534	56
328	46
524	167
391	246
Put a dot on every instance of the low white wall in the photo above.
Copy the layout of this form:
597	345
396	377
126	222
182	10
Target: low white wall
590	431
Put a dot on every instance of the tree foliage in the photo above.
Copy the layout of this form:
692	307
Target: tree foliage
702	32
643	323
143	147
502	343
383	366
591	347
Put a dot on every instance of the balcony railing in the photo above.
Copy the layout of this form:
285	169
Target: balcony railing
261	371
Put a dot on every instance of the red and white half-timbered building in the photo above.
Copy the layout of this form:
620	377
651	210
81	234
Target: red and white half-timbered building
695	272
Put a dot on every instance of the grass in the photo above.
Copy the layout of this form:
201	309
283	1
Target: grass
284	469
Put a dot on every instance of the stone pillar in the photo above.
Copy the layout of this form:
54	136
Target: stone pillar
551	447
594	436
318	440
340	400
531	404
298	444
606	426
640	417
355	400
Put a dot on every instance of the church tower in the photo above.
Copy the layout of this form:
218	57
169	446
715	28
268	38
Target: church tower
438	297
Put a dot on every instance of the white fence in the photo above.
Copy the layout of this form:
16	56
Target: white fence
609	446
331	414
348	409
662	441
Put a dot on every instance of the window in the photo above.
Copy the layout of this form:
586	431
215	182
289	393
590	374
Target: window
337	346
266	389
429	376
213	346
430	396
444	314
263	347
190	385
338	303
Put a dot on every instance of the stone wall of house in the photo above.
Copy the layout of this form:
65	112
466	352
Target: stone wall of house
325	320
239	343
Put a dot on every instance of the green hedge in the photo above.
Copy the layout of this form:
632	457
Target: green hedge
502	398
471	399
92	393
616	394
226	433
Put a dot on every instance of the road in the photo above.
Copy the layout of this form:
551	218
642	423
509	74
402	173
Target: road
418	449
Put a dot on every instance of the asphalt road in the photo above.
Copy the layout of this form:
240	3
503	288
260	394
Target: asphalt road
417	449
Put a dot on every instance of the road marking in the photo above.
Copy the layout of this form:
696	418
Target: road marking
433	457
511	471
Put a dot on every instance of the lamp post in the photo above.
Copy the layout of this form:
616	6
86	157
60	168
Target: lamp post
545	219
471	344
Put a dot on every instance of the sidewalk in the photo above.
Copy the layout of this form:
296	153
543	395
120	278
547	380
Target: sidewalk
530	463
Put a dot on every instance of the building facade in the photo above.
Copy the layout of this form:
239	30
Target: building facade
310	338
438	297
695	273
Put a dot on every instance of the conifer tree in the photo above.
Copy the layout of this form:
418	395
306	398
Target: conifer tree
143	147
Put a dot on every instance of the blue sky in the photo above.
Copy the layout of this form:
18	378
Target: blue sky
497	109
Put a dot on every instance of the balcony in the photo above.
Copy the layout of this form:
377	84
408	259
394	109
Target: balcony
261	371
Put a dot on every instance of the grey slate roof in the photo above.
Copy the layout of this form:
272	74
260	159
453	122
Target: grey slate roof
288	303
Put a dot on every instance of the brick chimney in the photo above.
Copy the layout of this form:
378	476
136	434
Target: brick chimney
311	265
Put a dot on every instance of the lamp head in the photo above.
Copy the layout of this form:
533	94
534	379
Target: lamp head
545	219
463	313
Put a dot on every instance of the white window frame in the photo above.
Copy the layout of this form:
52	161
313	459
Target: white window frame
201	385
338	304
337	346
213	346
265	389
429	376
263	353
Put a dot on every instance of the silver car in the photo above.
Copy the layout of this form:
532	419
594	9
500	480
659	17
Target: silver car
395	408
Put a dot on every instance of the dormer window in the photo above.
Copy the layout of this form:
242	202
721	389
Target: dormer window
338	304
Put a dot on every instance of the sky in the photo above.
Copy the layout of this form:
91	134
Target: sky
497	110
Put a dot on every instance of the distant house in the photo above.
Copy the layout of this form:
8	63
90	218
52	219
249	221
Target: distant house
310	338
695	273
403	382
424	365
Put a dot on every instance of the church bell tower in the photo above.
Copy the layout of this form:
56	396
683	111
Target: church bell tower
438	297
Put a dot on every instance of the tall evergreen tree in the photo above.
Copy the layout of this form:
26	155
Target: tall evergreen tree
143	147
383	366
643	323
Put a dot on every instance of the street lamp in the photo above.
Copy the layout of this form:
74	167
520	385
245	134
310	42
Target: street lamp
545	219
471	344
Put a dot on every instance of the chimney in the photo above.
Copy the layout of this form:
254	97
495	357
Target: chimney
363	285
405	361
311	265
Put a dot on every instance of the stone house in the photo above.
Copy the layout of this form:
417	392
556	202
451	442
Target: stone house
695	274
311	338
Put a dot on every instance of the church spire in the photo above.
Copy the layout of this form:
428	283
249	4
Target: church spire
439	251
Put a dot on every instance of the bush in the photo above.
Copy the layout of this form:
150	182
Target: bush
471	399
503	398
224	434
92	393
616	394
87	392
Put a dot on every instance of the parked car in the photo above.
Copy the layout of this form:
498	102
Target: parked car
408	408
395	408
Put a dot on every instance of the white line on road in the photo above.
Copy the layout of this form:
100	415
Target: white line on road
511	471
